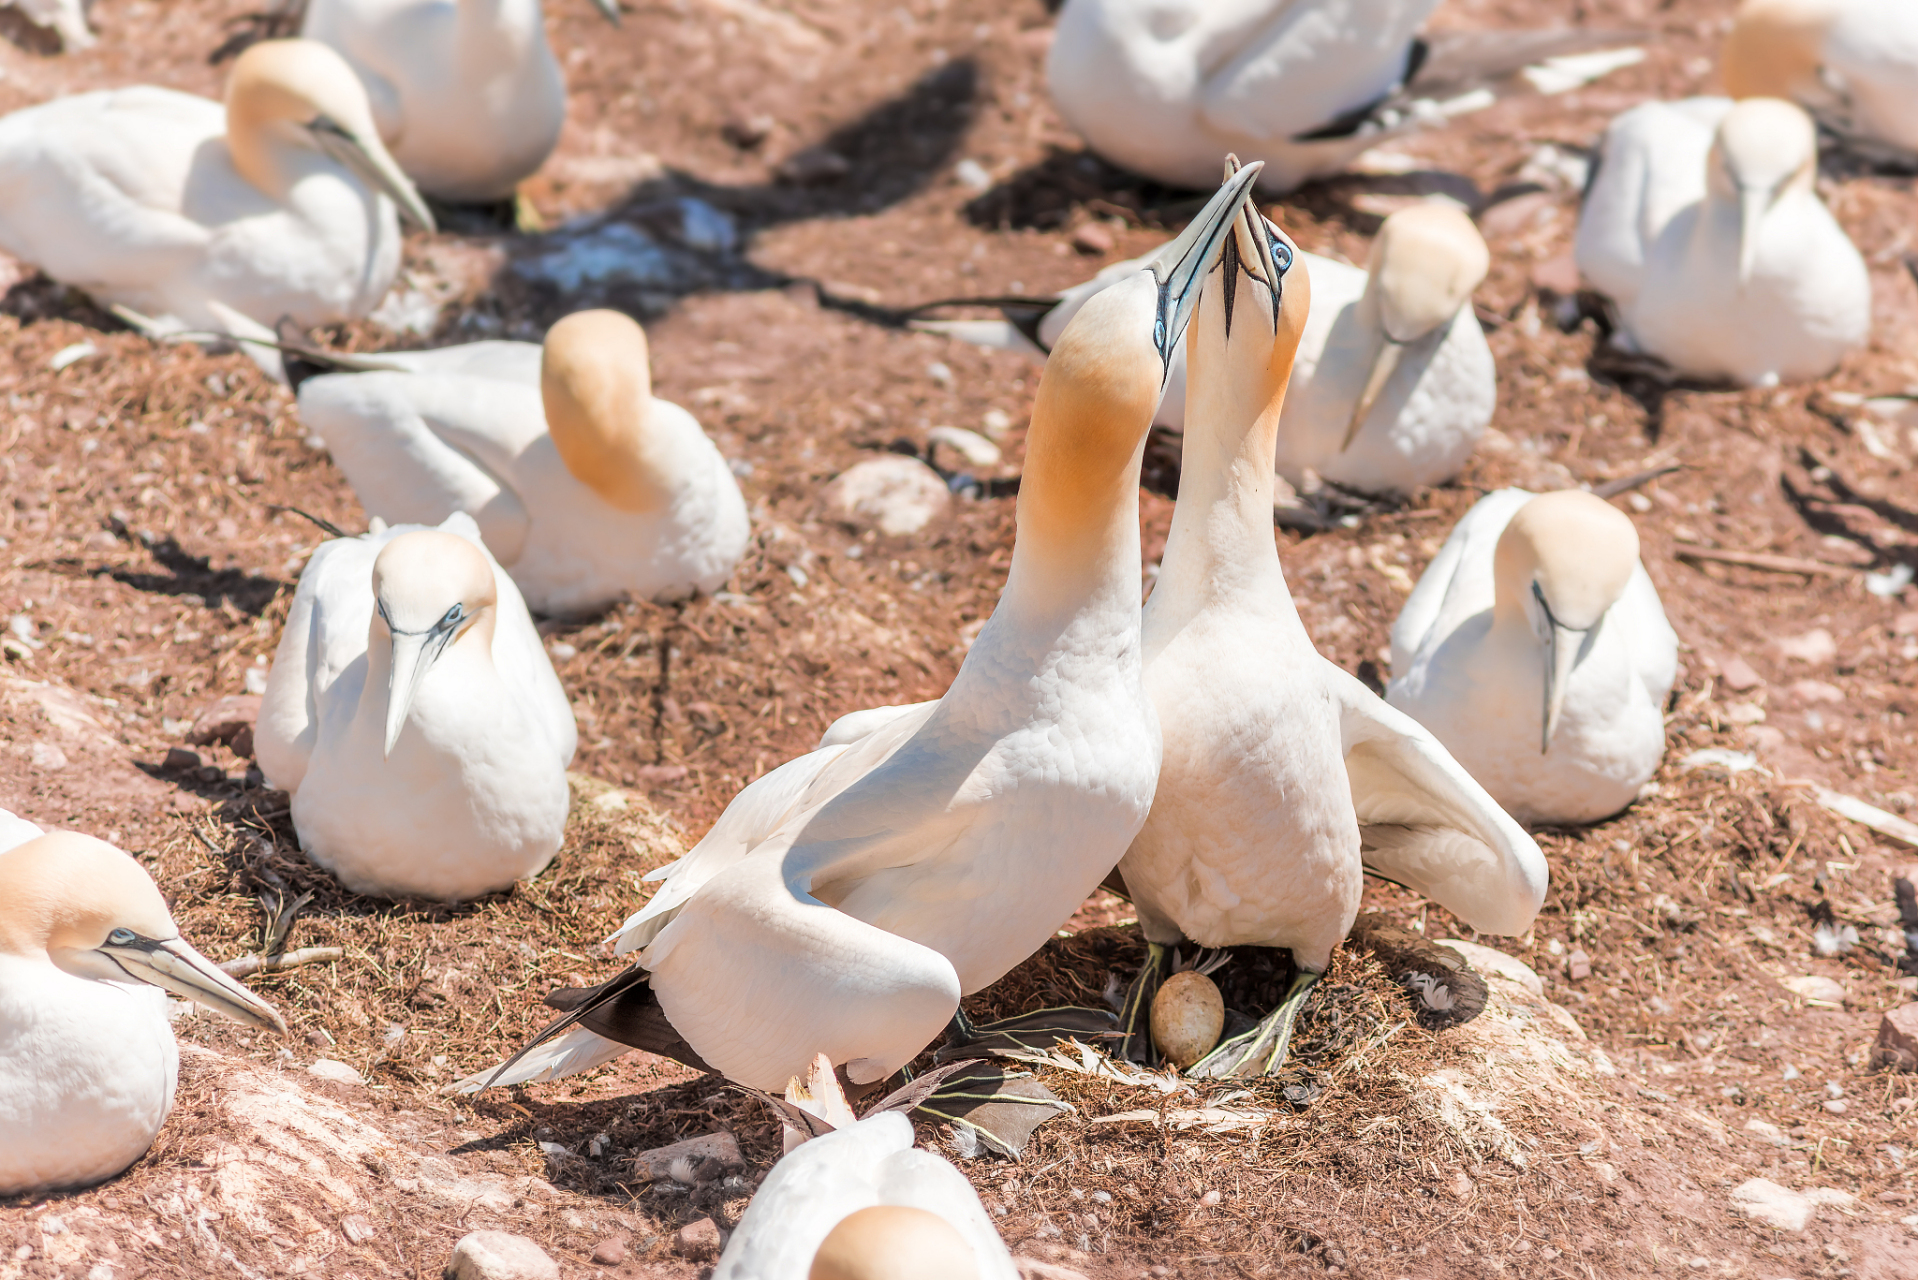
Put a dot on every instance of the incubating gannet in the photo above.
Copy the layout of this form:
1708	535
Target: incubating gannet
87	1060
1852	63
1703	227
583	483
1164	87
1536	648
414	718
843	903
466	93
16	830
1283	777
206	217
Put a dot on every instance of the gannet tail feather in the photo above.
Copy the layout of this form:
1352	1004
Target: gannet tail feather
575	1051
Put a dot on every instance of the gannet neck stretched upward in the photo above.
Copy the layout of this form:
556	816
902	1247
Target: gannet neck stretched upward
414	718
467	93
87	1059
843	903
1536	648
1282	776
584	484
280	203
1852	63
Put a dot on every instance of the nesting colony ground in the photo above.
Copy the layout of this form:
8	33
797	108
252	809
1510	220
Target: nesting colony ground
757	179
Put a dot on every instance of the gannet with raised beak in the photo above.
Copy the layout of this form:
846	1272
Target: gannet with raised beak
845	902
1536	648
584	484
1284	778
1703	226
87	1058
209	217
466	93
414	718
1852	63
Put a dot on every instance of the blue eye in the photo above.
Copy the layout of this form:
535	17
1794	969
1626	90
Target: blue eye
1281	255
1158	333
453	615
122	937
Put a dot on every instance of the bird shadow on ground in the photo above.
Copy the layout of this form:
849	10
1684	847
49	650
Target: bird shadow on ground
188	574
1828	516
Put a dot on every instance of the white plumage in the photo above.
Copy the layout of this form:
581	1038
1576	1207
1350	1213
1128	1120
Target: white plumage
16	830
1852	63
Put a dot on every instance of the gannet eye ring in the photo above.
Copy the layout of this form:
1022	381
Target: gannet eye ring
453	615
1281	255
1158	333
122	937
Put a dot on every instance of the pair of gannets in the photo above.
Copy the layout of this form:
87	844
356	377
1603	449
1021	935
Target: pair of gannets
209	217
414	718
87	1059
1393	384
586	485
466	93
1852	63
1703	226
845	902
1164	87
1536	648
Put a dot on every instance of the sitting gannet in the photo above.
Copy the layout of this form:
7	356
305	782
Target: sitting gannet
582	482
1164	87
846	901
466	93
1703	227
207	217
1283	777
414	718
1536	648
1852	63
87	1059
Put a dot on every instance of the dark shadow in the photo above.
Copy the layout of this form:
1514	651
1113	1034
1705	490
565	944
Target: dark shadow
40	298
189	574
1819	515
1046	195
1842	490
247	30
23	33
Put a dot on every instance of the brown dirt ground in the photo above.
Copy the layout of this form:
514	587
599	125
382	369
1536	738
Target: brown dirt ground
143	541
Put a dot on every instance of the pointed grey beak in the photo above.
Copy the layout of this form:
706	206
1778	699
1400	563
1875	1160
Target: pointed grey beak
177	967
1563	646
1753	205
413	655
609	9
373	164
1182	266
1384	364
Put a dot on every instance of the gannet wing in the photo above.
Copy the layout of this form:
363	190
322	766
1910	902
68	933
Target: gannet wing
1648	635
921	1180
1458	582
1425	824
16	830
808	1193
321	655
855	725
495	361
1650	166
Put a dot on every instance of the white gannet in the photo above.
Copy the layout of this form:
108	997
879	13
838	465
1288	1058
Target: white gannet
583	483
208	217
414	718
87	1059
845	902
1394	383
1165	87
16	830
1536	648
1703	227
65	18
466	93
1852	63
1283	777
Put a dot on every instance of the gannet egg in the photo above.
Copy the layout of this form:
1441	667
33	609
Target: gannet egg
1187	1016
894	1242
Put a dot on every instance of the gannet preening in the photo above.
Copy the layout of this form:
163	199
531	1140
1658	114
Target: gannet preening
1165	87
1283	778
16	830
844	902
208	217
583	483
414	718
87	1059
466	93
1536	648
1703	227
65	18
1852	63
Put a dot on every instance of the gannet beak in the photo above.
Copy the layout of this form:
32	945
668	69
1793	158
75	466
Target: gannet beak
177	967
1562	648
608	8
370	161
414	653
1753	204
1182	266
1383	366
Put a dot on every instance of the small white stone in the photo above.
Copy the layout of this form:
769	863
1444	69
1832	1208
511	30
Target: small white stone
895	494
970	445
329	1069
499	1255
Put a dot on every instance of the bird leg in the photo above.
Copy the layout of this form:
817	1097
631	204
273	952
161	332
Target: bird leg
1260	1051
1135	1016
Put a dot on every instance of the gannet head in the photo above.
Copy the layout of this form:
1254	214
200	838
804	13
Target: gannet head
1425	263
94	912
1765	148
894	1242
597	386
1565	558
302	93
1775	48
429	589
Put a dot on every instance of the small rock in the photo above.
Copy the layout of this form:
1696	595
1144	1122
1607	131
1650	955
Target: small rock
970	445
697	1241
1497	963
499	1255
1897	1046
1837	1106
356	1229
1092	238
972	175
812	166
610	1253
1814	648
1578	966
180	760
747	134
721	1146
224	719
1765	1201
1816	691
1738	676
329	1069
1033	1269
895	494
1813	987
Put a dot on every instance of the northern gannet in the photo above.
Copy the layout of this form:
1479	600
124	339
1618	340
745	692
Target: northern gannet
1704	228
583	483
87	1059
846	901
1536	648
414	718
200	216
1284	778
1164	87
466	93
1852	63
